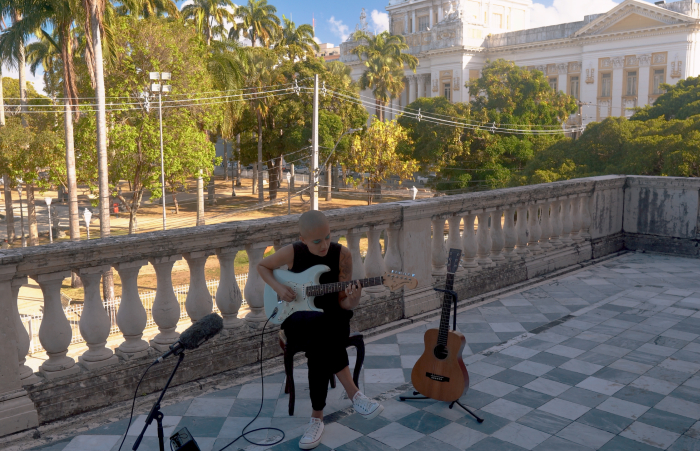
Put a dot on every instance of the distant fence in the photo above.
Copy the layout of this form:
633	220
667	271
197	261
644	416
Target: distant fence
73	312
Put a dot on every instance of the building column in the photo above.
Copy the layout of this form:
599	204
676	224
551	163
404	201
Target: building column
440	17
413	21
412	87
421	85
618	74
405	24
643	87
430	20
404	94
562	81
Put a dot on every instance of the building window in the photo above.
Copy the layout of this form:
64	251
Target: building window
574	86
497	20
447	90
410	25
605	85
659	78
631	83
553	83
423	23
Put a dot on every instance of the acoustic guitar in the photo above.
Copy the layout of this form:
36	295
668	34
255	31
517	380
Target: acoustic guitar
306	286
440	372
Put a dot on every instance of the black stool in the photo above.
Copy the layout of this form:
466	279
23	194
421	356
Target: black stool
355	339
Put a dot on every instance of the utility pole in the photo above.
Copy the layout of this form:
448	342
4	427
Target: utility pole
314	150
160	88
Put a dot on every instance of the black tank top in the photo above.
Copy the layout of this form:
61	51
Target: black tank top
304	259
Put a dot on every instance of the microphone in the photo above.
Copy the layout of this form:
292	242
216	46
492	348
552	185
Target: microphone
195	335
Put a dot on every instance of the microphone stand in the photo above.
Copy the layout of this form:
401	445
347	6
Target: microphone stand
155	412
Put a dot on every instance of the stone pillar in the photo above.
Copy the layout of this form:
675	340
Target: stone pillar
497	238
521	231
616	109
26	374
404	94
454	240
585	217
17	411
405	24
421	85
95	323
546	227
469	244
166	308
358	267
431	19
555	220
374	262
566	221
412	87
439	254
199	302
392	255
643	86
255	286
413	21
483	239
228	295
131	317
510	238
535	231
440	13
576	220
55	333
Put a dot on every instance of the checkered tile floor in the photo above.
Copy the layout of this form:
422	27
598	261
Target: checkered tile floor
605	358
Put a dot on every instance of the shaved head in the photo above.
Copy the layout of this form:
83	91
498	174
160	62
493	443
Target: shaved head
310	221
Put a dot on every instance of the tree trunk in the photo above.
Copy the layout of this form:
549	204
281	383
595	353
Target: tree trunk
10	216
31	216
272	170
22	73
2	102
378	109
238	160
225	162
261	195
329	181
254	179
200	199
335	179
73	213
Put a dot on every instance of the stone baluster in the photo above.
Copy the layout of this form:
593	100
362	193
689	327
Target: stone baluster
392	255
533	221
469	245
199	302
566	221
576	220
358	267
254	287
228	295
454	240
55	332
521	231
497	238
509	235
131	317
545	227
585	217
26	374
374	262
94	321
439	254
555	221
483	239
166	308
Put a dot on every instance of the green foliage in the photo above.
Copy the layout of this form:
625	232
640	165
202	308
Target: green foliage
680	101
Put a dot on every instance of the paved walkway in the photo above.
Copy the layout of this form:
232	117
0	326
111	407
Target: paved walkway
604	359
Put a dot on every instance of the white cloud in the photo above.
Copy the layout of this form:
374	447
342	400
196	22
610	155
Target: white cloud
563	11
380	20
338	28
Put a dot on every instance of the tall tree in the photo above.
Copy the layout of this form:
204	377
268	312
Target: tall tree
384	58
209	17
297	41
257	22
148	8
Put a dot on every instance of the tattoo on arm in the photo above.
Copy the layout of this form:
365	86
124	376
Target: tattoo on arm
345	264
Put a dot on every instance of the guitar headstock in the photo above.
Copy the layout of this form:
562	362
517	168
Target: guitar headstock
396	279
453	260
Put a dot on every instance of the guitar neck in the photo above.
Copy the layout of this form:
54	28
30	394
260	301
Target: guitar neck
326	288
446	307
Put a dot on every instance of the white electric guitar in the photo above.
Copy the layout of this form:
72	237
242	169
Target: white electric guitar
306	286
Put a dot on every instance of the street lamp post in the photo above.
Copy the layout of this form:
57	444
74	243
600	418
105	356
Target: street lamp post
48	208
289	193
160	88
87	215
21	212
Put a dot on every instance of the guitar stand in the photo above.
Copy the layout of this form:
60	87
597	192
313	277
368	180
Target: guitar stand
454	327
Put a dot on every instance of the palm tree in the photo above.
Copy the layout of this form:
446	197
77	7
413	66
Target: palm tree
384	58
148	8
340	70
297	41
9	215
258	22
209	16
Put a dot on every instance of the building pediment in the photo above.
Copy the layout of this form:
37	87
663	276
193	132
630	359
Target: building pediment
632	15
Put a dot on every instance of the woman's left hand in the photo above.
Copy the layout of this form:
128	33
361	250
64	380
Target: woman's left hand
353	293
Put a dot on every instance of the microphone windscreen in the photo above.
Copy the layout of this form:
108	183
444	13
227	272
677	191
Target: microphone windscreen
202	330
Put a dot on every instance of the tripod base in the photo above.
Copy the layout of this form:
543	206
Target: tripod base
478	419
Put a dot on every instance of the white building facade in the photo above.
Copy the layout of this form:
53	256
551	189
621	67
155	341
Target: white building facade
611	62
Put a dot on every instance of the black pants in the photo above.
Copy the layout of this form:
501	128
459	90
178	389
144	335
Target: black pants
322	336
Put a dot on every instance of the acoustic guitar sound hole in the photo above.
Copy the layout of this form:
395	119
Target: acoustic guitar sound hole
440	352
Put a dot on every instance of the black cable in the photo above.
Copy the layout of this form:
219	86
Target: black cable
262	401
133	403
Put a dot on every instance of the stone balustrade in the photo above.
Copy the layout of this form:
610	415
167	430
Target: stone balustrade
506	236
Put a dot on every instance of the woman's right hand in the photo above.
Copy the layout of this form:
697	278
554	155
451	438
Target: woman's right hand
285	293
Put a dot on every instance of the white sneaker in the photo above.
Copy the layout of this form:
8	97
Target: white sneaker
312	436
366	407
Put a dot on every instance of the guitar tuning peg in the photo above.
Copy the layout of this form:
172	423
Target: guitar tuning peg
413	275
